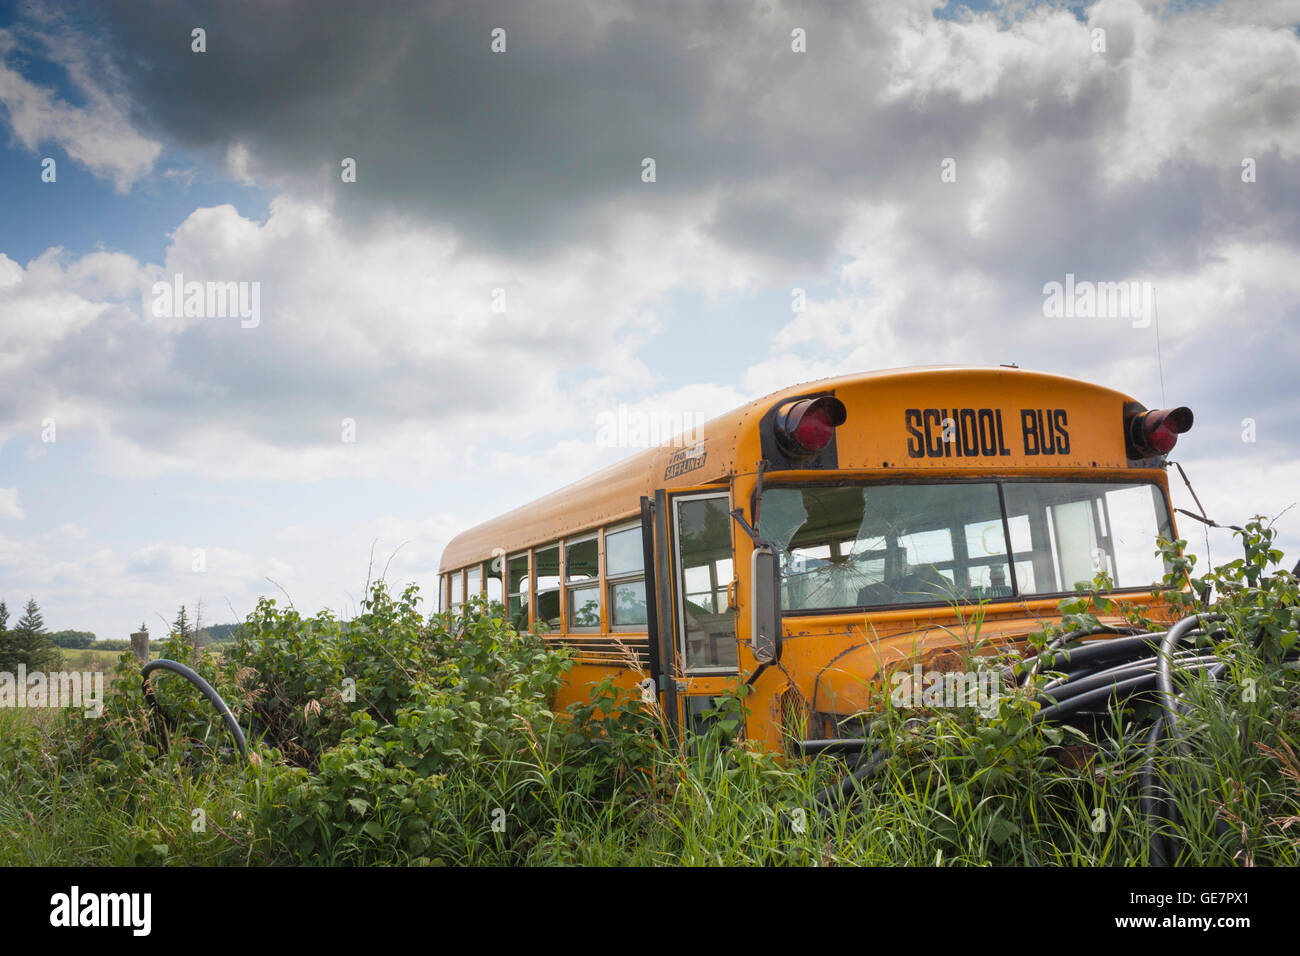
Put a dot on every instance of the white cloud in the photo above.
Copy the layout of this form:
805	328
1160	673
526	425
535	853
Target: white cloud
40	307
98	135
1234	490
9	506
393	330
239	164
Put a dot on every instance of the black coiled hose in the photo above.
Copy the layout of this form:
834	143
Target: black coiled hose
1093	675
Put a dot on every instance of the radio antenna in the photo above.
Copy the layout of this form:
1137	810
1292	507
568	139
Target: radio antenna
1160	362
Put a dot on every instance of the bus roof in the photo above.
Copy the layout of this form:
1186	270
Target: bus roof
613	493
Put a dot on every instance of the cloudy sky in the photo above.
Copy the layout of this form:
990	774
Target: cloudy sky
500	274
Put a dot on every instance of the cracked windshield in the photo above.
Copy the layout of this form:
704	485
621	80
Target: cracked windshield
844	546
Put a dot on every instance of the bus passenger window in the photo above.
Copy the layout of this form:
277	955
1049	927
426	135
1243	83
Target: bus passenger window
474	582
547	561
496	569
456	593
581	585
625	578
547	572
517	590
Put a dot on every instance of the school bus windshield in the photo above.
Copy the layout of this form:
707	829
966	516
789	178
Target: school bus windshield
875	545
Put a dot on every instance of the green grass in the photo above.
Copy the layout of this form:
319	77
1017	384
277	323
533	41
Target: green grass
90	659
721	806
51	814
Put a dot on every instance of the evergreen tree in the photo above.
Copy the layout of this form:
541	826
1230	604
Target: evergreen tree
182	628
29	644
31	622
8	656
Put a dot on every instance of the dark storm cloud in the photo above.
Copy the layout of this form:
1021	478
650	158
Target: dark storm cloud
512	149
537	151
541	146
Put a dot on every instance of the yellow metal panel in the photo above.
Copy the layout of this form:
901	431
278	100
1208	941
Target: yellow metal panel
875	436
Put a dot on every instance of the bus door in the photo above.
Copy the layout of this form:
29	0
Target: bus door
695	601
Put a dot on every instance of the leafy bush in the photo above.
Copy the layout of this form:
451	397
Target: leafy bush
450	746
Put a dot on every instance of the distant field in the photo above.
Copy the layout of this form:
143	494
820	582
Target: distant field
91	659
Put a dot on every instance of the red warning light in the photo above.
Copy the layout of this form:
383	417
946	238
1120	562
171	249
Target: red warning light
1155	432
806	426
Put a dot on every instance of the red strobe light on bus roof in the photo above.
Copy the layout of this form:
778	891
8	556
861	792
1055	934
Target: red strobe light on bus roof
806	426
1155	432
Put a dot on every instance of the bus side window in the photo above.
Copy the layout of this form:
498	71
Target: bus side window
496	571
625	579
582	584
517	590
456	591
546	563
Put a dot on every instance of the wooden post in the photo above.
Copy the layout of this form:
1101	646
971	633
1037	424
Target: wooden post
140	645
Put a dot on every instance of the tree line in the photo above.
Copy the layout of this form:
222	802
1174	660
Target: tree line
27	642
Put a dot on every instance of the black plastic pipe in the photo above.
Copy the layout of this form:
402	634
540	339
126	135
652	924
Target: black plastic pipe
205	689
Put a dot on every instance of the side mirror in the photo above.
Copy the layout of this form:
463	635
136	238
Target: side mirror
765	605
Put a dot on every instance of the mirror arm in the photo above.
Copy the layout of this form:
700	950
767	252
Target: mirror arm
739	514
753	535
745	526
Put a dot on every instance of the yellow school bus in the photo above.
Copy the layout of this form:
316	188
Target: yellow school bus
817	539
